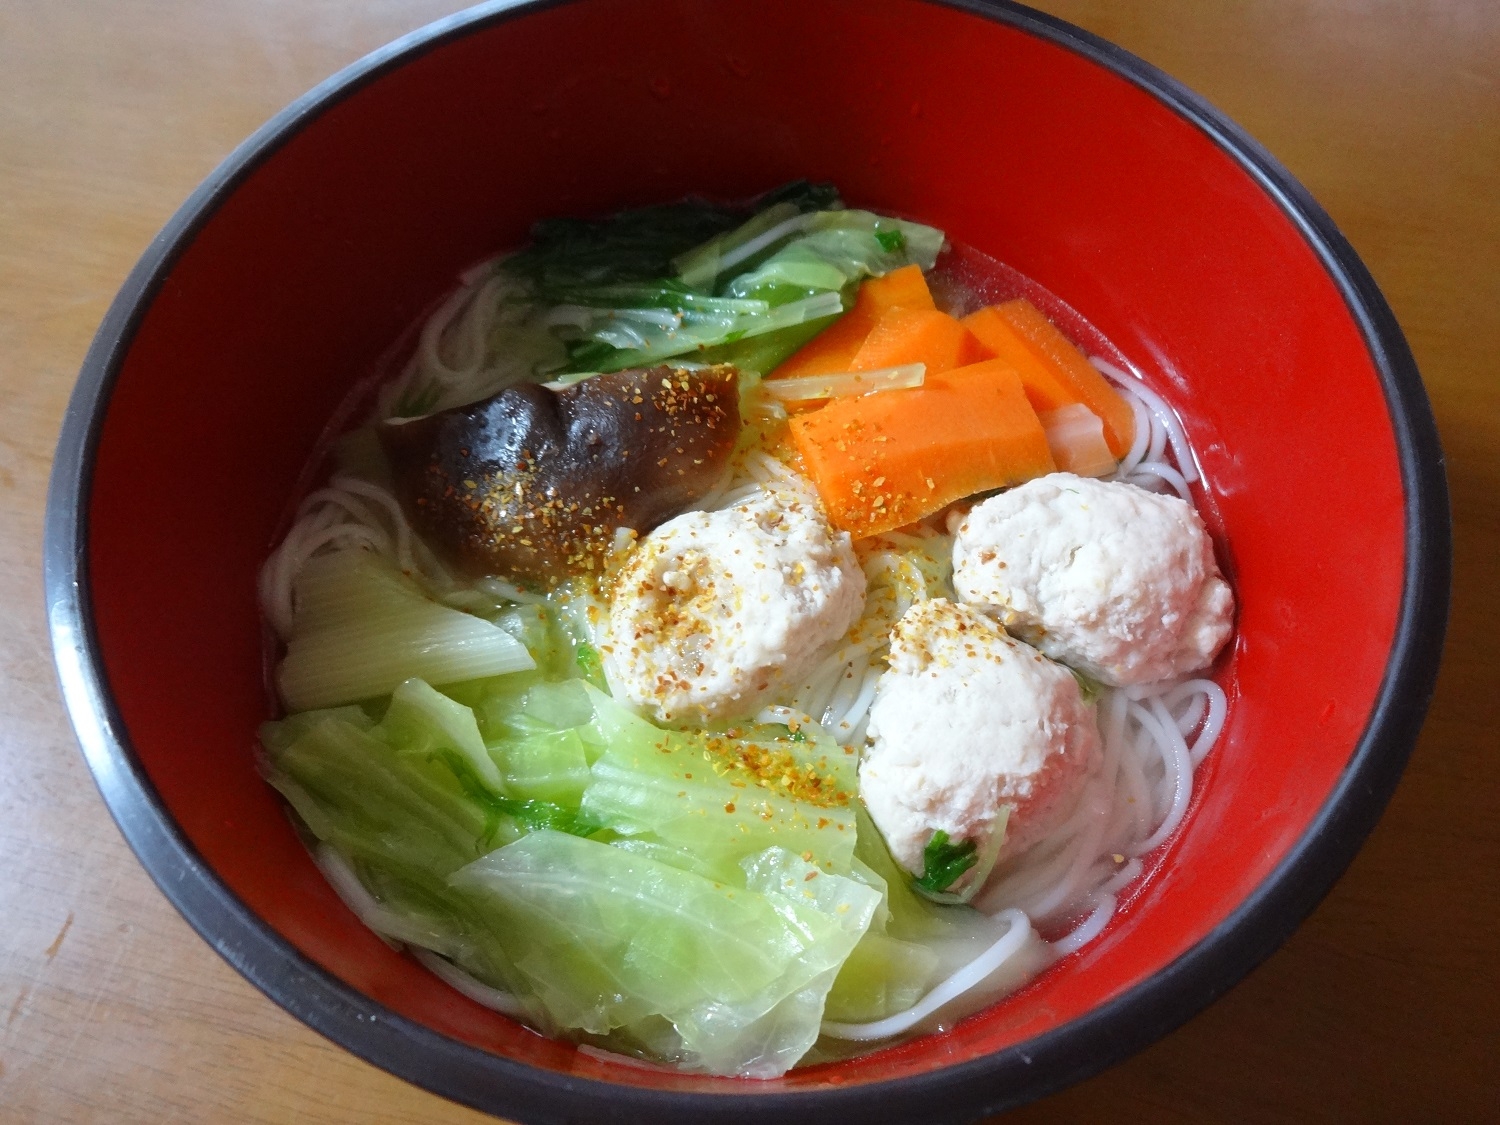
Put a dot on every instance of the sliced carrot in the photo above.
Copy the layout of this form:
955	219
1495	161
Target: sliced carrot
1041	338
1044	387
904	336
904	288
888	459
832	349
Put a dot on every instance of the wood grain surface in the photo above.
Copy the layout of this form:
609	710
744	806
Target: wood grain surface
1384	1006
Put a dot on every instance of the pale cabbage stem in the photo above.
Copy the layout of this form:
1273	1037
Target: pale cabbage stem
845	384
976	972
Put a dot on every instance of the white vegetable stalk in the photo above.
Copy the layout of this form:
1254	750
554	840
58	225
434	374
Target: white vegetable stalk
361	628
657	334
847	384
1018	937
701	267
746	250
1075	435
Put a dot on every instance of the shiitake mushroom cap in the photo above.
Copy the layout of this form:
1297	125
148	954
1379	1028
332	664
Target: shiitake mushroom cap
533	483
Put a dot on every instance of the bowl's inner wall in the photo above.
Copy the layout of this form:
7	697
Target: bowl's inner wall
329	249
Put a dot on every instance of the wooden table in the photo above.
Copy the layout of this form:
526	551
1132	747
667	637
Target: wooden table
1385	1006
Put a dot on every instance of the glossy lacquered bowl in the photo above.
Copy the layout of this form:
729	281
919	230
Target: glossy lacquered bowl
288	273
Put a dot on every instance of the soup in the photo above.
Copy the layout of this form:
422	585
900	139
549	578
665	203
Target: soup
735	636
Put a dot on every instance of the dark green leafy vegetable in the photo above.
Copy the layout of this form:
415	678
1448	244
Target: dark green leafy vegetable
943	863
749	295
639	245
805	195
761	354
632	246
690	283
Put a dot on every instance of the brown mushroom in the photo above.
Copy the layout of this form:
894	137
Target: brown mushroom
533	483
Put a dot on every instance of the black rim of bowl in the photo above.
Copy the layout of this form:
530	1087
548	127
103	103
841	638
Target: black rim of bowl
1011	1077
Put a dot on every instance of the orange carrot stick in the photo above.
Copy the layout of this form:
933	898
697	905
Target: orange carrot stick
889	459
1039	337
1044	387
832	349
904	336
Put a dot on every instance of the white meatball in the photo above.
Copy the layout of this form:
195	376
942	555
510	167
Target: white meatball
965	721
1110	579
716	610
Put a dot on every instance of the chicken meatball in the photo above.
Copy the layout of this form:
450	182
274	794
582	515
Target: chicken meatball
966	721
716	610
1110	579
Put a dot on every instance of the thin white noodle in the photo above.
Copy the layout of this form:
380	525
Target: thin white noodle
625	1060
1158	443
965	978
1158	407
1165	472
1192	714
1213	722
761	241
859	713
284	566
740	492
850	680
1136	791
476	990
1179	773
1143	426
1119	809
778	714
1047	869
1181	753
1067	889
815	695
1113	776
1044	866
347	512
317	503
352	892
430	344
1091	928
771	474
1129	871
510	592
404	557
713	500
451	361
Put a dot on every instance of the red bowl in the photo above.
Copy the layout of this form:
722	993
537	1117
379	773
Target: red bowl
289	271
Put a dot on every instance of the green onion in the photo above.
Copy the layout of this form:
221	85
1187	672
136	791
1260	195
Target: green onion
943	863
